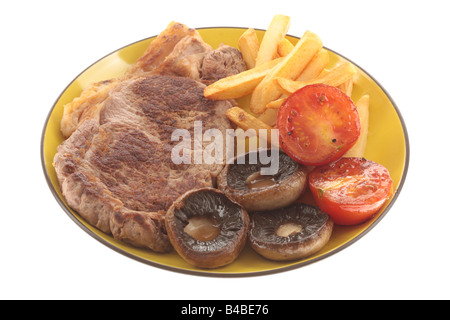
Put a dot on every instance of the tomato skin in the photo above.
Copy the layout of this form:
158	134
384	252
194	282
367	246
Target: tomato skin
318	124
350	190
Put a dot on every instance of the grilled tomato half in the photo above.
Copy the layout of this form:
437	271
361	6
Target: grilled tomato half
350	190
318	124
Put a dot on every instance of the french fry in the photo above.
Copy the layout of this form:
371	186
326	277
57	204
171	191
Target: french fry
324	72
335	77
272	37
288	86
269	117
285	47
276	104
315	67
291	67
338	75
347	87
359	148
239	85
311	71
247	121
249	45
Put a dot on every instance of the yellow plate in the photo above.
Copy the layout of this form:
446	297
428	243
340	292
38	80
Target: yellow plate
387	144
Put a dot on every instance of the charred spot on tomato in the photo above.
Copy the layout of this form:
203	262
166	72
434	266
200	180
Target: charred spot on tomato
322	98
334	140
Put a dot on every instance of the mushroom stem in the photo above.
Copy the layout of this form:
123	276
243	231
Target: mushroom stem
202	228
288	229
257	180
243	182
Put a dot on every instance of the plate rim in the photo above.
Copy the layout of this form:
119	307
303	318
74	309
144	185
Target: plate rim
207	272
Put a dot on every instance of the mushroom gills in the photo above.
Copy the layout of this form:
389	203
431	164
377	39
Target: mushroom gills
243	172
206	228
245	182
294	232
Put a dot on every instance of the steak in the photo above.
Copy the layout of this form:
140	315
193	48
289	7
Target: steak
115	167
116	171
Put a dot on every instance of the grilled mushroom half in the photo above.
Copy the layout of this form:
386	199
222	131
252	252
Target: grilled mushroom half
291	233
242	181
207	229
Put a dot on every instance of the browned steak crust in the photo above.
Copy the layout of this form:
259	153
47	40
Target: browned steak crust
116	171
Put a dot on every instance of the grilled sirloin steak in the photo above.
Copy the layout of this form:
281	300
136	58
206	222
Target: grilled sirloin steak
117	172
115	168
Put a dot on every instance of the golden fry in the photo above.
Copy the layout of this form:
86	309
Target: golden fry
272	37
315	67
338	75
247	121
288	86
276	104
269	117
359	148
335	77
239	85
347	87
249	45
291	68
285	47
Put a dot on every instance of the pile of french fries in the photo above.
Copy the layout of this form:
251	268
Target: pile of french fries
278	68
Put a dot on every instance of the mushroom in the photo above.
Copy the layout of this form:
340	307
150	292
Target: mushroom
256	192
206	228
291	233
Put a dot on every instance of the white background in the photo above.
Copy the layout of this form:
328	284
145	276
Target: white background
45	44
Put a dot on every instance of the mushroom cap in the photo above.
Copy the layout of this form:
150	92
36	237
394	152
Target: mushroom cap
316	228
289	183
232	218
